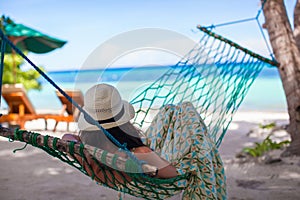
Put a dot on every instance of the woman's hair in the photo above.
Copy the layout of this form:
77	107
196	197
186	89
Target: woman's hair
125	134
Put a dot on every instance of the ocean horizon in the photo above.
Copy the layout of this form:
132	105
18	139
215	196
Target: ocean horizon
265	94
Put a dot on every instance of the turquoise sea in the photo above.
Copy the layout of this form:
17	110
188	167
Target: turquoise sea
266	93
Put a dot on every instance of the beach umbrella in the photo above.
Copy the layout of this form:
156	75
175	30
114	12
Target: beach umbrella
28	39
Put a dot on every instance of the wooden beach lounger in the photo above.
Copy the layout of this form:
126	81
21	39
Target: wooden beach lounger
68	113
20	107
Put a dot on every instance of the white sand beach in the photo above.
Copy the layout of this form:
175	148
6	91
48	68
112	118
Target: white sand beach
257	180
32	174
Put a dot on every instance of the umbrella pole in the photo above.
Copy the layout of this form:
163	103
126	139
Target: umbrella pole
14	66
15	40
3	44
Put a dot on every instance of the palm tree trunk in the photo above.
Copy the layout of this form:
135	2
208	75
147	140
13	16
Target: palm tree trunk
288	55
297	23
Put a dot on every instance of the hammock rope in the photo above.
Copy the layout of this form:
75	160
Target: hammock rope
214	76
256	18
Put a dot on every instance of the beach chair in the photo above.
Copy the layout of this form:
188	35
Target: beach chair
68	112
21	110
77	96
20	107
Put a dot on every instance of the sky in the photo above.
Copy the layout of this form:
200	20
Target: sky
86	25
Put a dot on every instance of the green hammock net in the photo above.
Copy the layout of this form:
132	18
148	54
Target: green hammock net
215	76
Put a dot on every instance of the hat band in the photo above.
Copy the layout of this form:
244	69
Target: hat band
113	119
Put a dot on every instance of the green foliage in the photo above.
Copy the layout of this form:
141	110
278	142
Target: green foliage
267	126
12	73
266	145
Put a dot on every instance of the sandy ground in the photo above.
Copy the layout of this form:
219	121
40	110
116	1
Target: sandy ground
32	174
255	179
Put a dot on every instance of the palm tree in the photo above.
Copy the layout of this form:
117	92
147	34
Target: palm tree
285	42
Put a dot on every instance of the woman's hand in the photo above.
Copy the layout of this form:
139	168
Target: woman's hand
71	137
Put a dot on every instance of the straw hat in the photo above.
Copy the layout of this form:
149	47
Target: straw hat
104	104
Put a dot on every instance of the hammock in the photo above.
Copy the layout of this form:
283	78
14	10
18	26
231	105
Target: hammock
214	77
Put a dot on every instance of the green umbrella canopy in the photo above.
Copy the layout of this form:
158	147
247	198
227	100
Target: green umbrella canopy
28	39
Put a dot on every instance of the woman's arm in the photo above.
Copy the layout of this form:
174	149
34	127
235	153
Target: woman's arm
165	169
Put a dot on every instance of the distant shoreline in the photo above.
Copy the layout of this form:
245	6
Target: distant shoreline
111	68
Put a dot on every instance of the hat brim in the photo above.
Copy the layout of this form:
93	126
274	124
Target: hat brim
126	117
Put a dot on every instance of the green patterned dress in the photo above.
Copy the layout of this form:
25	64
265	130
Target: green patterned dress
179	135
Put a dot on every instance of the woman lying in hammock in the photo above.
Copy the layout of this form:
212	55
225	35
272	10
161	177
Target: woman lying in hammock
177	134
103	102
